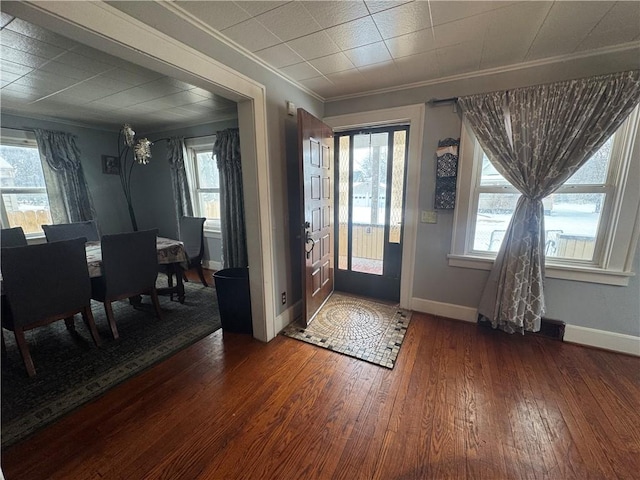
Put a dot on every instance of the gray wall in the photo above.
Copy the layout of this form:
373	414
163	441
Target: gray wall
610	308
108	199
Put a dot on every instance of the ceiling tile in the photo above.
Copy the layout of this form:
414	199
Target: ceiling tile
257	7
317	83
601	39
21	58
337	62
375	6
8	77
471	29
355	33
46	80
511	33
348	82
573	19
29	45
331	13
312	46
369	54
614	27
457	59
445	11
289	21
131	77
301	71
411	43
404	19
416	68
82	62
15	68
41	34
68	71
5	18
219	15
279	56
252	35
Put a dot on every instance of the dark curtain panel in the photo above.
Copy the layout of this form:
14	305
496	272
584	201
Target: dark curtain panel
181	196
69	196
537	137
234	237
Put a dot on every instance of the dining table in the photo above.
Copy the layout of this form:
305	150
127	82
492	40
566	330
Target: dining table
170	252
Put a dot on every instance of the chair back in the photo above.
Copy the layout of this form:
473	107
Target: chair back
67	231
13	237
192	235
129	262
45	280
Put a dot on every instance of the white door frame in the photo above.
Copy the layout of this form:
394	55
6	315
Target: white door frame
414	116
106	28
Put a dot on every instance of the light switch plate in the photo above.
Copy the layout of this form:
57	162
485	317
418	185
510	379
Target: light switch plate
429	216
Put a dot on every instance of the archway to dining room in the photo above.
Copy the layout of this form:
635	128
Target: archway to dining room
102	26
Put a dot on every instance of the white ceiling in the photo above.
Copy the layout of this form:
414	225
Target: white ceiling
332	48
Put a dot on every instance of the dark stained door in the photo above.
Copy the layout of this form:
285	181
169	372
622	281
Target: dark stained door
315	143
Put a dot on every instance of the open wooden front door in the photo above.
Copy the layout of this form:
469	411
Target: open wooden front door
315	144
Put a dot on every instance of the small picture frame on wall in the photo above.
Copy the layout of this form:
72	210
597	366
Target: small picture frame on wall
110	165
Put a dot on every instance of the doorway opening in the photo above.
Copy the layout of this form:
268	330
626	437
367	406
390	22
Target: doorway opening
370	167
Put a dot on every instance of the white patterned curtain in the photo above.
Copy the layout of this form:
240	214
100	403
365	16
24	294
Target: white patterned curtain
234	236
69	197
181	195
537	137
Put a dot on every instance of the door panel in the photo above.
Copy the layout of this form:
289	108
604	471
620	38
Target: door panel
370	207
315	140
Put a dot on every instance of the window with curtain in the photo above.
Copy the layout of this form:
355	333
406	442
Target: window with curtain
204	180
585	233
22	187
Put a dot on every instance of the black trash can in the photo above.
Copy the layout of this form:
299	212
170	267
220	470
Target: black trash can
234	299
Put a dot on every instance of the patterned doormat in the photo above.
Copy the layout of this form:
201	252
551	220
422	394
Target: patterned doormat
361	328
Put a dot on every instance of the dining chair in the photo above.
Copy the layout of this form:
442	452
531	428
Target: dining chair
37	295
13	237
129	269
192	236
66	231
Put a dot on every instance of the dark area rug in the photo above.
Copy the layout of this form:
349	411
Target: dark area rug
358	327
71	370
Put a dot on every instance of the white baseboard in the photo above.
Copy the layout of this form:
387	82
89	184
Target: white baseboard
211	265
288	316
616	342
448	310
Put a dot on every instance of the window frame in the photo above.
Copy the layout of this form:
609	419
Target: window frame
194	146
19	138
617	235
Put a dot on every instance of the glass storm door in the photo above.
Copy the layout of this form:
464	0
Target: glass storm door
370	169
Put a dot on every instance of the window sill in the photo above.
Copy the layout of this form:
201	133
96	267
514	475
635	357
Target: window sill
563	272
212	233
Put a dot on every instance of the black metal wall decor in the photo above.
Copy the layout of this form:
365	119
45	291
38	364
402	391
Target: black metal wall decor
446	173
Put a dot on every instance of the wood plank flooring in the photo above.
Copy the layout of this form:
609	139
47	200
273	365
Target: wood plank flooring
462	402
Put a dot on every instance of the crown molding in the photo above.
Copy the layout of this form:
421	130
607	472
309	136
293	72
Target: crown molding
197	23
493	71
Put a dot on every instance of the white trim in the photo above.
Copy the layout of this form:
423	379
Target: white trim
289	315
212	265
563	272
414	115
447	310
561	59
102	26
592	337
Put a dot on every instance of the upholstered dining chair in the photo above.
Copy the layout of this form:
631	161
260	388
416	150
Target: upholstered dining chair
129	269
36	295
13	237
66	231
192	236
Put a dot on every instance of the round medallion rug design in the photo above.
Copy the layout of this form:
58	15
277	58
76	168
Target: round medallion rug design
358	327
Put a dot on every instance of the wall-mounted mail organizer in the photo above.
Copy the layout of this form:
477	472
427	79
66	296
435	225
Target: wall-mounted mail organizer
446	173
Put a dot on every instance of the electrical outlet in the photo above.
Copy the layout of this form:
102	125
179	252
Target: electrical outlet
284	297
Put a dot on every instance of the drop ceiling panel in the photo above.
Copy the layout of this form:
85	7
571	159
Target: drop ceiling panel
355	33
219	15
252	35
279	56
301	71
403	19
289	21
312	46
369	54
337	62
331	13
411	44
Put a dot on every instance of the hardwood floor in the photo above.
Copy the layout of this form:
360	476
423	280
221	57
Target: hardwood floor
462	402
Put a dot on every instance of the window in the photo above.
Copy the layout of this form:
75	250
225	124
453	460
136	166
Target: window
586	236
204	180
24	195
